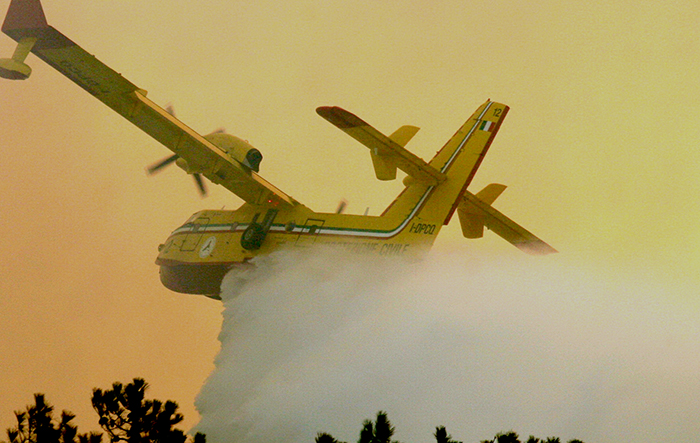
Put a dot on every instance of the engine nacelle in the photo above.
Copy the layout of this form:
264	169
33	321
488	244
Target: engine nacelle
238	149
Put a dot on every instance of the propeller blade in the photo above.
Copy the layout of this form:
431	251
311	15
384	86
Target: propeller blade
198	179
161	164
341	206
201	187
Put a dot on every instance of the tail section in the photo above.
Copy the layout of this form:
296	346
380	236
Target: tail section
431	206
24	18
471	218
433	190
385	161
475	212
457	162
25	22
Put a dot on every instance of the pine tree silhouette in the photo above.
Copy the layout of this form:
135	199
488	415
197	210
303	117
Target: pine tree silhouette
441	436
37	425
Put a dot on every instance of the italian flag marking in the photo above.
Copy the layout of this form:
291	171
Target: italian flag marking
487	126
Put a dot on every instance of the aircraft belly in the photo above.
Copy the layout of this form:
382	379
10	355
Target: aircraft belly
194	278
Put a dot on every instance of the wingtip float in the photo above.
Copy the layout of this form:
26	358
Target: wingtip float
197	255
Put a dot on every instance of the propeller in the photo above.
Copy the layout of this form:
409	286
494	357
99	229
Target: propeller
341	206
201	187
161	164
198	179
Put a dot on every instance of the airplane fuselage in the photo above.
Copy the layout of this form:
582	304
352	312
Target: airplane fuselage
197	255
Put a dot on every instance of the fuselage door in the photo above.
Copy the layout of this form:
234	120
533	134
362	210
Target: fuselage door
309	232
194	236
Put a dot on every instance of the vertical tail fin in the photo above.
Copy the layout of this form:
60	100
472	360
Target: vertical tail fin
462	155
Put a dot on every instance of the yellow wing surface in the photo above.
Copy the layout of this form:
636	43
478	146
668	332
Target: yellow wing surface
388	153
26	23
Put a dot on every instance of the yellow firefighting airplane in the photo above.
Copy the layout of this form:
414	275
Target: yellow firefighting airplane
197	255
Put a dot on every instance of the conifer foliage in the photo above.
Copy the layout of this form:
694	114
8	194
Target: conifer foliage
512	437
381	431
36	424
124	414
441	436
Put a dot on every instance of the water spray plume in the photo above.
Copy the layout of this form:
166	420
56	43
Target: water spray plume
320	342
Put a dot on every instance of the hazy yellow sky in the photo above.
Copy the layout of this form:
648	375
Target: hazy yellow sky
600	152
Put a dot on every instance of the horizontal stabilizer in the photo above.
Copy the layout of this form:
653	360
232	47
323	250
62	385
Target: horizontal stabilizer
475	213
388	153
471	218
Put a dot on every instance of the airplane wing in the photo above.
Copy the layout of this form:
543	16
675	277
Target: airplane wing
473	208
26	23
381	145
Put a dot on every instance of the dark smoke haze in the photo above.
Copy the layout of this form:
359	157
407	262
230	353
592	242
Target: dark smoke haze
321	342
